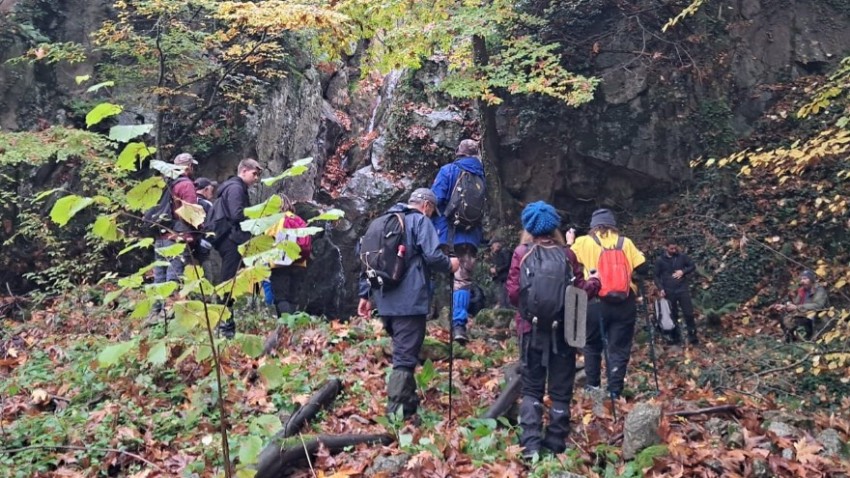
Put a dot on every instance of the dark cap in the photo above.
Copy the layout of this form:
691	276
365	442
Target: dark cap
249	164
810	275
424	194
201	183
467	147
603	217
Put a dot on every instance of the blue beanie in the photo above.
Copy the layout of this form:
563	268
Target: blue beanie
540	218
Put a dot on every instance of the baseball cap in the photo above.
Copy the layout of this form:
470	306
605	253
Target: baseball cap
183	159
424	194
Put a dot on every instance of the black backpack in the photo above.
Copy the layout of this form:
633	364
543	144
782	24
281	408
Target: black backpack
382	253
466	206
545	272
162	214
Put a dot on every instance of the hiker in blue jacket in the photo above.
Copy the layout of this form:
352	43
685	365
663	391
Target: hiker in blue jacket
463	242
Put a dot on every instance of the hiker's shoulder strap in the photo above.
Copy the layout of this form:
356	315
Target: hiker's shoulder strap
596	240
620	241
529	248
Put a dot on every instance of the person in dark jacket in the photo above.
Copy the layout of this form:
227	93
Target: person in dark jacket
234	197
500	257
205	189
403	308
463	243
610	325
671	277
545	358
182	192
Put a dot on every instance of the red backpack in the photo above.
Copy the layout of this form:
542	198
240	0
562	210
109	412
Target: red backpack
615	272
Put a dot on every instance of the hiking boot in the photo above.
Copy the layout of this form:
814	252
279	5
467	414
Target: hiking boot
559	427
693	339
227	329
401	393
459	334
531	424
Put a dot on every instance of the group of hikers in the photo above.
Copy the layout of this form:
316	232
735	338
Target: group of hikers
558	283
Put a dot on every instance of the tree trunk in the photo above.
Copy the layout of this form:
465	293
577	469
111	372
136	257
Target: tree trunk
489	140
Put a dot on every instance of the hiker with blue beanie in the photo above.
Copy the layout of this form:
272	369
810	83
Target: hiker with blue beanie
611	318
461	201
541	268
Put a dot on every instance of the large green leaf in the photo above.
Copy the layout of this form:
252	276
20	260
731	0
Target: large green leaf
124	133
113	353
158	353
298	168
249	449
261	225
137	244
132	154
252	345
93	88
329	215
67	207
160	290
256	245
108	298
146	194
101	112
106	228
142	309
244	281
191	213
265	208
168	170
190	314
266	424
272	374
172	251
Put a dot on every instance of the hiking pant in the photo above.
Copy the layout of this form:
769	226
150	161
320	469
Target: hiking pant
502	295
230	262
682	300
408	334
172	272
462	283
285	282
560	375
617	322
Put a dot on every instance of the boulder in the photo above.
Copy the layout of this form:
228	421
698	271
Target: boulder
641	429
832	443
495	318
782	429
387	466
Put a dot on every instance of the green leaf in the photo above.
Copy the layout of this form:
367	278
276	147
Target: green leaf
132	154
113	353
168	170
139	244
101	112
158	354
272	374
190	314
131	282
161	290
98	86
265	208
106	228
110	297
204	352
124	133
250	449
44	194
82	78
252	345
261	225
269	424
298	168
142	309
246	473
256	245
172	251
67	207
191	213
146	194
330	215
244	281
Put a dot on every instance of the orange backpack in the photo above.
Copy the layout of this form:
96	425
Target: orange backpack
615	272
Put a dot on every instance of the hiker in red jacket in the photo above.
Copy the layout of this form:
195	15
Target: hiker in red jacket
288	272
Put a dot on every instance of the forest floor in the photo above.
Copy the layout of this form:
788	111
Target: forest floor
152	414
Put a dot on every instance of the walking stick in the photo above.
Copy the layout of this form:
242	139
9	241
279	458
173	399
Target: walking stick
451	342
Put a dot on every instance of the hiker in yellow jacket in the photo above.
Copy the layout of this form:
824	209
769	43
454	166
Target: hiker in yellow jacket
612	316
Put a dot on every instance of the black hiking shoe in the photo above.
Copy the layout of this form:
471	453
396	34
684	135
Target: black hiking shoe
459	334
227	329
693	339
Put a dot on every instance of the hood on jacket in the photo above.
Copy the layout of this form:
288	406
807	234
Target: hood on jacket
471	164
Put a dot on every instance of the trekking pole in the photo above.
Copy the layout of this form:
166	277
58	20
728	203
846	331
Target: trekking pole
607	364
451	341
650	326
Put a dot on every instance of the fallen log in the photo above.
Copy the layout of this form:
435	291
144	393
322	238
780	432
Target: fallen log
510	394
706	411
321	399
284	455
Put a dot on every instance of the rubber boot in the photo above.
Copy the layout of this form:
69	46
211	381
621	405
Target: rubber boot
401	393
227	328
531	423
459	316
559	427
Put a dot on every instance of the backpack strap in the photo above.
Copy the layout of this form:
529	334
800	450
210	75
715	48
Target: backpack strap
620	240
618	246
